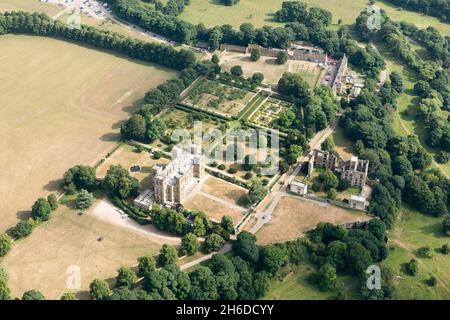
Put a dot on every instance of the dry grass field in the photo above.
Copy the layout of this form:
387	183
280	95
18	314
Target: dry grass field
293	216
40	262
126	156
217	198
271	70
29	5
223	189
62	104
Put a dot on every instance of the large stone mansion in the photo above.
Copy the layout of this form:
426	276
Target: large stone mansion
172	184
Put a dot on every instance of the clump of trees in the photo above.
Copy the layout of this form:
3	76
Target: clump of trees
229	2
41	24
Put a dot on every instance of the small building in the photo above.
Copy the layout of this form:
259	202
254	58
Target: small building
144	201
357	202
298	188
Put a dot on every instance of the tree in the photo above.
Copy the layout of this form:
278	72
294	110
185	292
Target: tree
249	162
229	2
329	180
21	230
261	284
327	145
272	258
246	248
189	244
258	78
198	227
32	295
343	185
255	54
203	284
99	290
326	277
41	210
236	71
332	194
146	265
377	228
5	244
134	128
5	292
227	224
213	242
292	84
84	200
445	248
358	258
79	177
412	267
52	201
125	277
215	59
119	183
336	254
167	255
397	82
68	296
282	57
155	129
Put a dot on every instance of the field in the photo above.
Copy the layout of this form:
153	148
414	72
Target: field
218	98
296	286
62	104
210	12
217	199
271	70
223	190
413	231
29	5
126	156
41	261
292	217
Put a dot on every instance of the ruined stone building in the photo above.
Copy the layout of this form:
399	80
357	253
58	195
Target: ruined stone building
355	170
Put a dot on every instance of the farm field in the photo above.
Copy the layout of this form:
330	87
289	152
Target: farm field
412	231
293	216
40	262
29	5
127	157
70	117
272	71
218	98
210	12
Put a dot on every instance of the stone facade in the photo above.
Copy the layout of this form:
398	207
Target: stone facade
354	170
173	183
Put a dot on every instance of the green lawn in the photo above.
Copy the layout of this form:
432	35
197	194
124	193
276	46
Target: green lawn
413	231
260	12
295	286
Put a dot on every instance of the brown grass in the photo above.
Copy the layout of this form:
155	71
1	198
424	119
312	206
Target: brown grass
61	105
293	216
212	208
126	156
223	189
40	262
